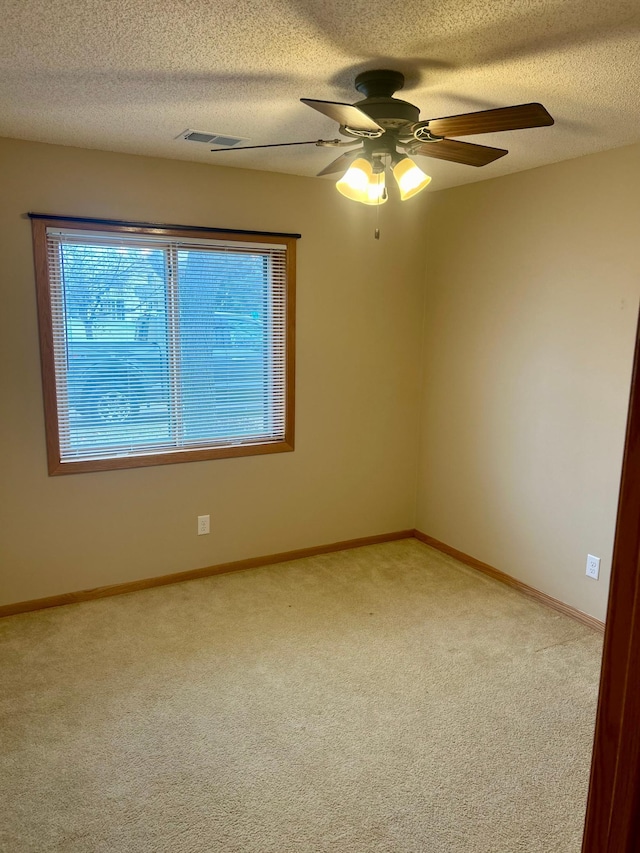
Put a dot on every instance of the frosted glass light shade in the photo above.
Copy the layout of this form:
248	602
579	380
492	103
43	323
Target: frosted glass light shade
411	180
354	184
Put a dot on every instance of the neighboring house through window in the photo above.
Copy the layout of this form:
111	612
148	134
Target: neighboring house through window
163	344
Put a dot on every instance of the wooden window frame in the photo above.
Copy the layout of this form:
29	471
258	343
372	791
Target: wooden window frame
40	223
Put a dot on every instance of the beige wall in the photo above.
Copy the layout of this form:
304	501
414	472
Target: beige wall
531	303
359	315
531	309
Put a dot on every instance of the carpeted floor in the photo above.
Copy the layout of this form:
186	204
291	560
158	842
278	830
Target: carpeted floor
379	700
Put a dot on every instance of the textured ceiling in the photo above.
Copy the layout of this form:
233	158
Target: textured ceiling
130	76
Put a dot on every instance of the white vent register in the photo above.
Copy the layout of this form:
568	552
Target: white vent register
218	140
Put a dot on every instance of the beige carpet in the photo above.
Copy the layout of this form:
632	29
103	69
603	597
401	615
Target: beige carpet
380	699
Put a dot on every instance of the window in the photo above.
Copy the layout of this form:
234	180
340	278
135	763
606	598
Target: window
163	344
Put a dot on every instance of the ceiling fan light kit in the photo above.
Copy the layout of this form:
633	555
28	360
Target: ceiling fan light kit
389	128
364	182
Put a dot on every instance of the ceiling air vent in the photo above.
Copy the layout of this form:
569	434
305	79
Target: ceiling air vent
222	140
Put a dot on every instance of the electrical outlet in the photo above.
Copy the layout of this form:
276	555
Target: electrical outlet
593	567
203	524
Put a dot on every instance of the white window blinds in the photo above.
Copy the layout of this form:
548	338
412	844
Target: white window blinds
165	344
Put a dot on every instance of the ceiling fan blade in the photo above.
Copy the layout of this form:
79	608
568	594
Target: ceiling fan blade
318	142
488	121
458	152
340	163
345	114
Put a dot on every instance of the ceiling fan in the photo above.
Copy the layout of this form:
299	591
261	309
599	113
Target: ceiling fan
386	129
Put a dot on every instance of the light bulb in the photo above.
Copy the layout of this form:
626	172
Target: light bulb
376	189
409	177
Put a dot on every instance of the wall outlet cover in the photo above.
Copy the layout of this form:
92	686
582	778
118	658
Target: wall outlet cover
593	567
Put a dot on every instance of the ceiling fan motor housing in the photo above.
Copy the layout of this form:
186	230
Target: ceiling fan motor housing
379	83
390	113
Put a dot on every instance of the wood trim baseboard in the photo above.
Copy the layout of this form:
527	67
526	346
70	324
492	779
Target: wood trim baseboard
497	575
193	574
286	556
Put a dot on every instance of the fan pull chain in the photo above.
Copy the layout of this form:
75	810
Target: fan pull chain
376	233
